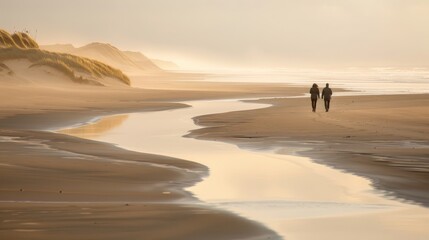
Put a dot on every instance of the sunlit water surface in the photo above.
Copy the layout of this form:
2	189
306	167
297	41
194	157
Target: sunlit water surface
292	195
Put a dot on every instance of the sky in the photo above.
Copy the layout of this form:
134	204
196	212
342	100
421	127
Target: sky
237	33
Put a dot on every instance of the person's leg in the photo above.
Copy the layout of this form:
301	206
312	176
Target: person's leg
326	104
329	105
313	104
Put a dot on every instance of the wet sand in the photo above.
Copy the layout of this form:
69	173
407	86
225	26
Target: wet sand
289	194
56	186
383	138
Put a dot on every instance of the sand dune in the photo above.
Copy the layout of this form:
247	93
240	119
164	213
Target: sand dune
21	47
111	55
142	61
168	65
62	48
128	61
25	73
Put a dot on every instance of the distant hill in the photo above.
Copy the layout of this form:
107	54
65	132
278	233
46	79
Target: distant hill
167	65
61	48
128	61
141	60
79	69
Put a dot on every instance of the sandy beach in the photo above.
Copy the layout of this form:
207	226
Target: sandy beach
72	188
54	185
383	138
57	186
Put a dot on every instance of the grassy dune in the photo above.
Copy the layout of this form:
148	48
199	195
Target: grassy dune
22	46
19	39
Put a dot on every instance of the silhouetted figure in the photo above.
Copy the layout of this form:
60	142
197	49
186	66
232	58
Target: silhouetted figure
315	94
326	95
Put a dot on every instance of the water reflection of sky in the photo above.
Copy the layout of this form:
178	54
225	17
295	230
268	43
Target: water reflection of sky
289	194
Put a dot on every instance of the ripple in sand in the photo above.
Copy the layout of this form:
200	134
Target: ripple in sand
27	230
30	223
8	220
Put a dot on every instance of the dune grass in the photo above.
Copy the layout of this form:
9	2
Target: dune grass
6	39
22	46
24	41
18	39
62	67
63	62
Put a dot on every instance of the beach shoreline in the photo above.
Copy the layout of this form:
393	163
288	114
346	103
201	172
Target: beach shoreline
25	122
58	186
379	137
74	188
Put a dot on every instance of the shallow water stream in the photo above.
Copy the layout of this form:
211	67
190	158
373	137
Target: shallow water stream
292	195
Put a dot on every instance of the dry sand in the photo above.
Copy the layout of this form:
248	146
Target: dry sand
384	138
55	186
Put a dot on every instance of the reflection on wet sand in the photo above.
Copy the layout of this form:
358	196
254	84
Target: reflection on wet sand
97	128
292	195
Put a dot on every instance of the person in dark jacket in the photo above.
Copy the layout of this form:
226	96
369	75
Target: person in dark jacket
315	94
326	95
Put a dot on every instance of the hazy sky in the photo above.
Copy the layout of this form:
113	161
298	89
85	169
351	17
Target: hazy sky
237	33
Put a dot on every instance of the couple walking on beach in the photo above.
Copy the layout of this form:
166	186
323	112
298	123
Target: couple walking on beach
315	94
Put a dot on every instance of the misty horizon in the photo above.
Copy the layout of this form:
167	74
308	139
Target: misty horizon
238	34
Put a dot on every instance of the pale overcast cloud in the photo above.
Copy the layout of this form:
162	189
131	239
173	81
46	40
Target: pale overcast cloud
238	33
